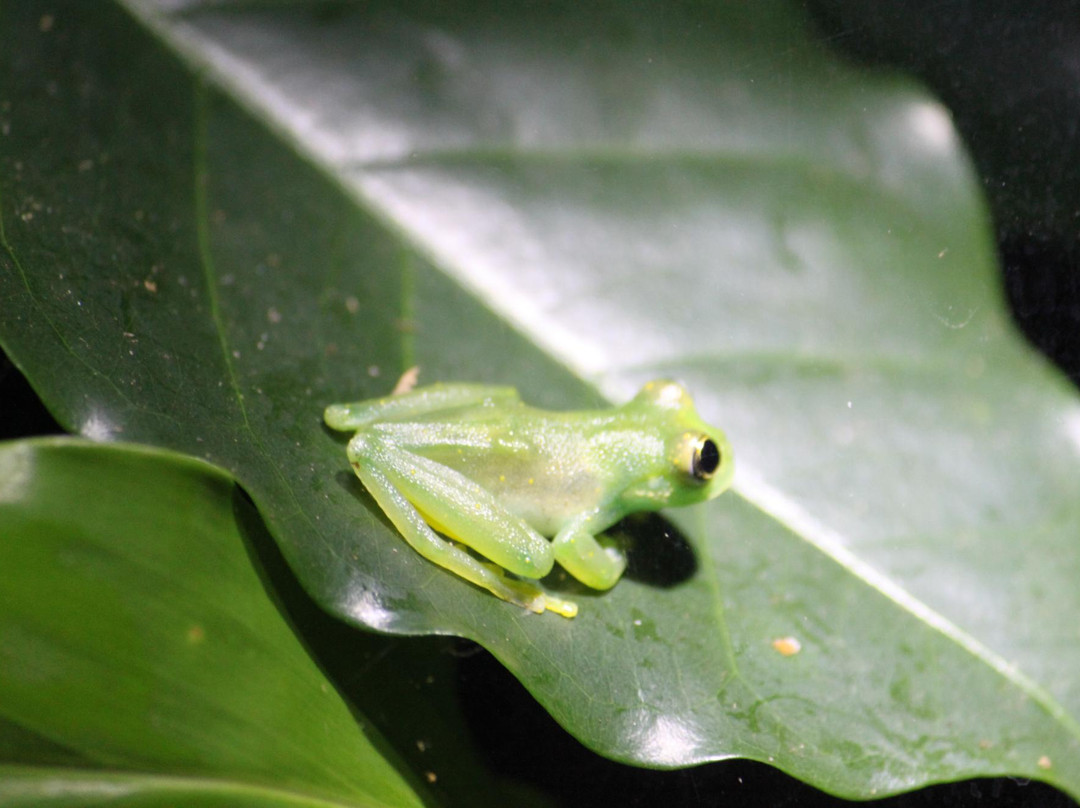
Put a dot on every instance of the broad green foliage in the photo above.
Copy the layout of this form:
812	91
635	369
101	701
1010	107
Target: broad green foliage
141	658
219	219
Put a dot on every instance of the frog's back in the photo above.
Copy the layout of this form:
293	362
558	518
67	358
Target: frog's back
545	468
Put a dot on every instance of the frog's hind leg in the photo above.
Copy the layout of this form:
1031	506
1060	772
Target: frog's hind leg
419	402
397	479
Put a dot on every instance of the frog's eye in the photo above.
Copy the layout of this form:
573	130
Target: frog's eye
705	460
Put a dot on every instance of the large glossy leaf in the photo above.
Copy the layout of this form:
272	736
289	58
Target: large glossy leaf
141	661
219	219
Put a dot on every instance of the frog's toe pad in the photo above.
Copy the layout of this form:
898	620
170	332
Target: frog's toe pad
564	607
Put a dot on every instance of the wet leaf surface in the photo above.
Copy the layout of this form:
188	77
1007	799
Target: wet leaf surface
232	216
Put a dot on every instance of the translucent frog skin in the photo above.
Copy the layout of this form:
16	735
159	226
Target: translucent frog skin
479	466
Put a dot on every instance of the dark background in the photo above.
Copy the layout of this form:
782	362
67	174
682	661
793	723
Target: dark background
1010	74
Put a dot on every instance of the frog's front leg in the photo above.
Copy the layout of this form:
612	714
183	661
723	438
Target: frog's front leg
578	551
422	401
417	493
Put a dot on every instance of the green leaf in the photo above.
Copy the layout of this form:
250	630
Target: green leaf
141	661
217	220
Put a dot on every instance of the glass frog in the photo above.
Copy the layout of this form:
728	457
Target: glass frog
477	465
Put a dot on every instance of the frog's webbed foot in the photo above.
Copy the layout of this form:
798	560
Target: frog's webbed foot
598	563
525	594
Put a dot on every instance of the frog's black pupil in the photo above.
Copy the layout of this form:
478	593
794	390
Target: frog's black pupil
706	460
